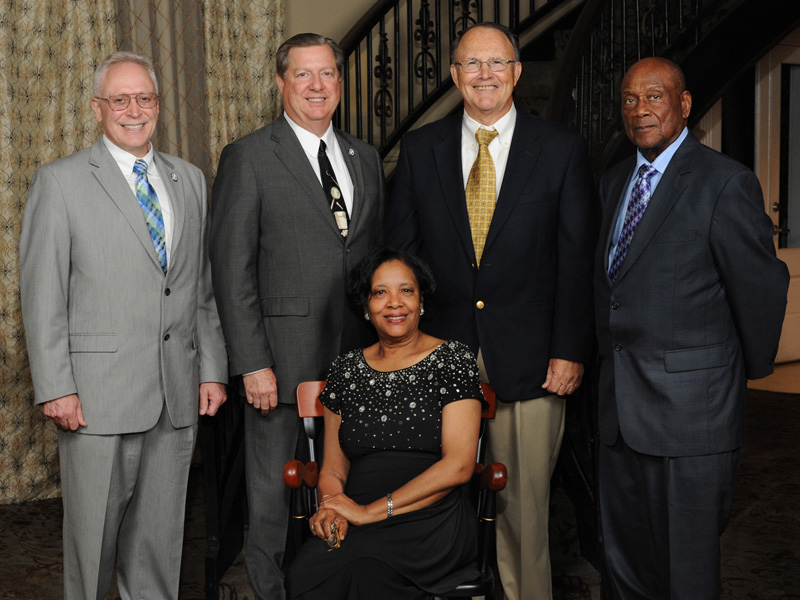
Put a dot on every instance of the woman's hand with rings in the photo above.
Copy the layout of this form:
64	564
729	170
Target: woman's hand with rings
323	523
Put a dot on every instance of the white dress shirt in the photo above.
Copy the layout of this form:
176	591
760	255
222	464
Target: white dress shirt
125	161
498	148
310	143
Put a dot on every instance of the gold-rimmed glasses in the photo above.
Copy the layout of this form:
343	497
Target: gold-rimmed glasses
473	65
122	101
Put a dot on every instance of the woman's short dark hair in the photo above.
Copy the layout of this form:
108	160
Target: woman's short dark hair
359	282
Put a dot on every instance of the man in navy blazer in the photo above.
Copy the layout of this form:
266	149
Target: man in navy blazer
686	312
525	305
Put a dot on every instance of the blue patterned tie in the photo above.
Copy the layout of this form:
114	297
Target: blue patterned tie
640	196
148	200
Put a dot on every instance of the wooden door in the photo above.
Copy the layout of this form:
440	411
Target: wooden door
778	168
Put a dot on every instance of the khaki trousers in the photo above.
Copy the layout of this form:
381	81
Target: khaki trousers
526	437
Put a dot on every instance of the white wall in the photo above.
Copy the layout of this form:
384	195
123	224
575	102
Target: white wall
332	18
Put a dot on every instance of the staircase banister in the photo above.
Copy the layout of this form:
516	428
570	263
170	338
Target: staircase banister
727	40
584	26
364	25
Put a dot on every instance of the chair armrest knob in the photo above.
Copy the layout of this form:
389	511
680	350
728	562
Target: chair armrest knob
295	474
494	476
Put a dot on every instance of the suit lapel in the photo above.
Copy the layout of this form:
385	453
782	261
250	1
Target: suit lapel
667	193
356	170
615	197
291	154
177	199
113	182
447	155
522	157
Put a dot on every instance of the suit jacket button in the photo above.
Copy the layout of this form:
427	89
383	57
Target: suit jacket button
617	347
166	337
480	304
167	292
614	305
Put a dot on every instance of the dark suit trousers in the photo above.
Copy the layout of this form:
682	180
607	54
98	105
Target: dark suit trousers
269	442
662	518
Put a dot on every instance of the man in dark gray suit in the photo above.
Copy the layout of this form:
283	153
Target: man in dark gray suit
123	337
295	205
689	300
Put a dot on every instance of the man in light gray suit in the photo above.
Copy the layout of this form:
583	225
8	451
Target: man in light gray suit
295	205
123	337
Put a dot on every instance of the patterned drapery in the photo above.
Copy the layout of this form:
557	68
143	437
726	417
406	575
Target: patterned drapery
241	41
215	63
48	53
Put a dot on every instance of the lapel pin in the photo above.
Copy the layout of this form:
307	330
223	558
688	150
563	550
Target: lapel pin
351	152
174	177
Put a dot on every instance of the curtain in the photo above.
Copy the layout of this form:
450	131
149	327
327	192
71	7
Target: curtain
215	64
241	41
48	53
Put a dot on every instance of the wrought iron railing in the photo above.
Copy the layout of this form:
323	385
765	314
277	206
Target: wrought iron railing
398	62
609	37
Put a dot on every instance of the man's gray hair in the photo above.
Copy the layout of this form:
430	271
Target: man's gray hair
306	40
118	58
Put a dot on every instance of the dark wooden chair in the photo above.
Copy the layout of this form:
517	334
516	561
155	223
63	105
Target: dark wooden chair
301	478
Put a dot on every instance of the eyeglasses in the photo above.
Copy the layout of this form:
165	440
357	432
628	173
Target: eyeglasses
122	101
473	65
333	540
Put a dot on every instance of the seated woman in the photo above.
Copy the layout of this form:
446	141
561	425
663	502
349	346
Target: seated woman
401	434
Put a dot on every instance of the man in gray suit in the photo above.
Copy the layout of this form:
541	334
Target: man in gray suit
123	337
295	205
689	299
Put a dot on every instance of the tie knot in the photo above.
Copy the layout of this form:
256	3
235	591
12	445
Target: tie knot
322	149
647	171
140	167
485	136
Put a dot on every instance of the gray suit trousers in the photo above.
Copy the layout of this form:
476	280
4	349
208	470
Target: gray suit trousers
138	481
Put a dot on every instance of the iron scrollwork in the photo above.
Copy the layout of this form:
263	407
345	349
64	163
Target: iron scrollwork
424	61
384	103
466	20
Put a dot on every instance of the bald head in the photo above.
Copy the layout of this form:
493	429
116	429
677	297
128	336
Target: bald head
655	105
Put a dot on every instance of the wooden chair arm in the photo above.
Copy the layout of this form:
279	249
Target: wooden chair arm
493	476
295	474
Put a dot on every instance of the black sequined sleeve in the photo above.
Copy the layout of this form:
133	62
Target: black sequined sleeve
462	377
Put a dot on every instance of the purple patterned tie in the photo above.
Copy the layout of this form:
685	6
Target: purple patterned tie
640	196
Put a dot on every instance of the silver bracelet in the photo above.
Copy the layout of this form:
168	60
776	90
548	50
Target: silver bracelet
389	506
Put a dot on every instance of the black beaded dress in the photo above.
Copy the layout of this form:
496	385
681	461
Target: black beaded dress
391	432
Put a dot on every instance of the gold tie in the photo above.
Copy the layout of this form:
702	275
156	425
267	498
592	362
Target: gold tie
481	193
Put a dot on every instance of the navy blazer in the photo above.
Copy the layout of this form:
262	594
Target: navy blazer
530	300
696	309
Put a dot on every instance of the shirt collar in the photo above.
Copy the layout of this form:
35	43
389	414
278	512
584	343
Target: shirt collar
125	159
662	161
504	126
310	141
